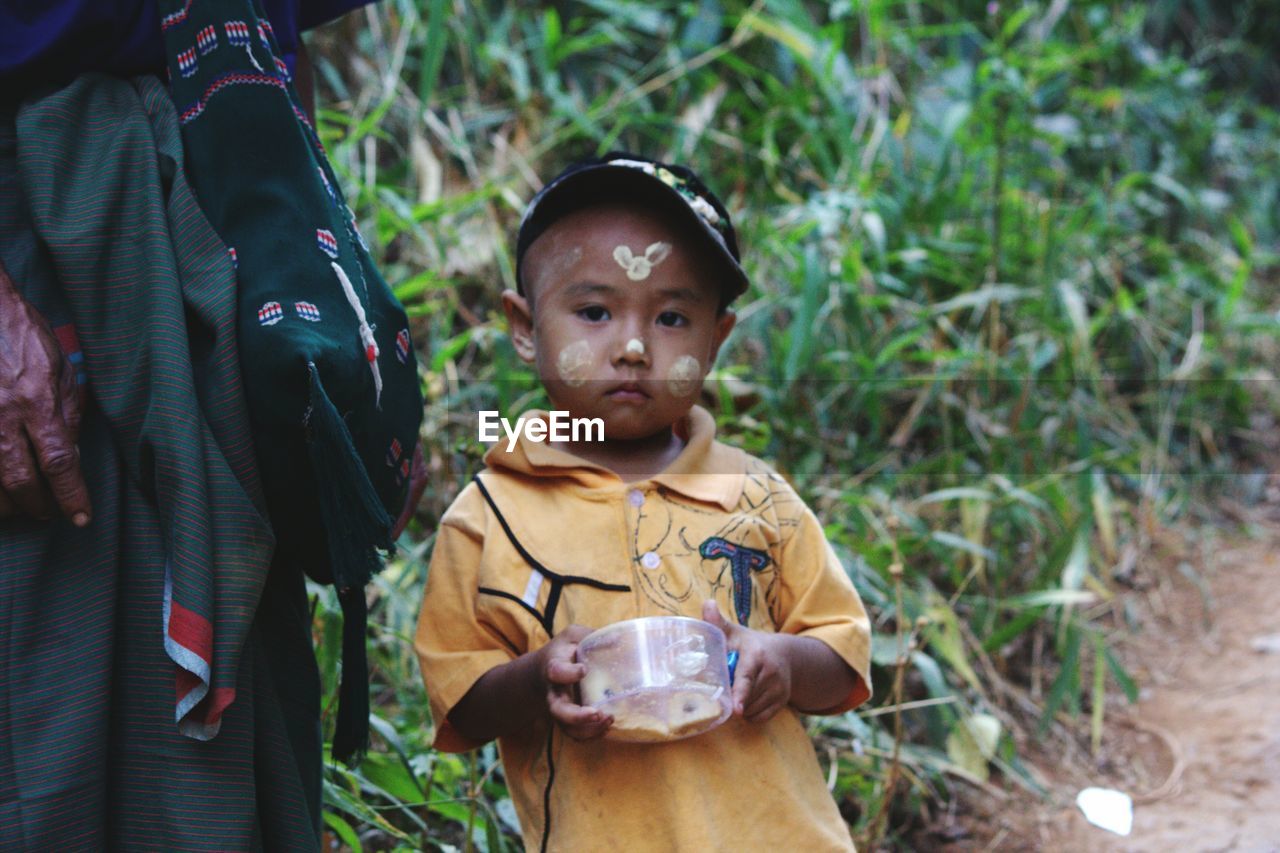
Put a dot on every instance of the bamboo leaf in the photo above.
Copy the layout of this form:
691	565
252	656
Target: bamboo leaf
1077	314
1104	514
1065	682
343	830
952	540
972	744
1077	564
956	494
1014	628
1099	696
433	50
980	298
943	632
1050	598
1122	677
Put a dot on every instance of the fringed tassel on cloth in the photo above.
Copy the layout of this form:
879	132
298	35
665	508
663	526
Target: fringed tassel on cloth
351	734
356	527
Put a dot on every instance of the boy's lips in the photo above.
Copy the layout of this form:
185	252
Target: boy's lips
627	392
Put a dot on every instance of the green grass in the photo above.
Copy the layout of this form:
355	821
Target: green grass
1012	276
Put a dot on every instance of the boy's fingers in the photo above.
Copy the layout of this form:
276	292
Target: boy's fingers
765	704
744	681
575	633
561	671
711	613
570	714
589	731
763	714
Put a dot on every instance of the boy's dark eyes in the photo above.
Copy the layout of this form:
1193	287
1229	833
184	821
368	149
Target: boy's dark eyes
594	313
598	314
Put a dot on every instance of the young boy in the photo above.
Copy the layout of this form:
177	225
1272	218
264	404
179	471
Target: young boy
626	269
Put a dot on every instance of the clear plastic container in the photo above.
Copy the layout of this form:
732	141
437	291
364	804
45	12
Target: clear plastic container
662	678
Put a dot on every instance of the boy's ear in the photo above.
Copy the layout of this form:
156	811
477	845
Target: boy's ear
520	321
724	325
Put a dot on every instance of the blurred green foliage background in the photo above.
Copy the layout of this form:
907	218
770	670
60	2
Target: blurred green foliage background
1013	313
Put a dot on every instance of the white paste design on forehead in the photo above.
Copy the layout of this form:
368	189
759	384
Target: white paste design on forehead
685	376
636	346
574	363
558	265
638	267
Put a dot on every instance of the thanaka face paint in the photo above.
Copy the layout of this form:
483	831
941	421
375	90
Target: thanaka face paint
635	345
684	377
559	265
574	363
638	267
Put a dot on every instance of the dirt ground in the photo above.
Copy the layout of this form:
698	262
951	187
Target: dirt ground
1200	752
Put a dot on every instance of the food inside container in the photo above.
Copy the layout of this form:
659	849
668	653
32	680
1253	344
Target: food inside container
661	678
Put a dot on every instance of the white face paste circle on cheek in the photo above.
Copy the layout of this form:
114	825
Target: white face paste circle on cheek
638	267
685	376
574	363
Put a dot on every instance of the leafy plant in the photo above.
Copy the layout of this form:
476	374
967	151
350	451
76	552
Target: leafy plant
1012	265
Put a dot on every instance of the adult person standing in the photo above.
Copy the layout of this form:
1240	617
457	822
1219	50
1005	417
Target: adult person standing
129	716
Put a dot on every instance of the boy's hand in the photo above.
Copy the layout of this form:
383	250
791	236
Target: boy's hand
762	681
559	670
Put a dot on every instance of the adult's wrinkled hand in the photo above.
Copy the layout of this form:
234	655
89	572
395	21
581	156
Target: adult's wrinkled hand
39	417
417	485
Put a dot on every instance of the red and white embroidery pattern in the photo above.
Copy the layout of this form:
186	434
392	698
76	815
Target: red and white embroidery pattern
327	242
402	345
235	259
355	229
187	62
193	112
324	179
307	311
305	122
282	68
393	453
265	32
175	18
207	40
270	313
404	468
237	33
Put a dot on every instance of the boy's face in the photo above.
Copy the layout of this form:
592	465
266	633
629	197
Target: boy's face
621	318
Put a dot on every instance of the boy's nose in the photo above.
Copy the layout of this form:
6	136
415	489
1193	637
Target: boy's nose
632	350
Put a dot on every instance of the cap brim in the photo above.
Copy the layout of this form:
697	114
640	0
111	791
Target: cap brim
606	182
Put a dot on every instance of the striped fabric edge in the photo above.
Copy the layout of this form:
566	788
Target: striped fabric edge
185	634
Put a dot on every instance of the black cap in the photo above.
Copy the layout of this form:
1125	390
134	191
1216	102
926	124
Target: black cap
623	177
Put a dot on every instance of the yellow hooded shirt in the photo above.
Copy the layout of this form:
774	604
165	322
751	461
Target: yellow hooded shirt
542	540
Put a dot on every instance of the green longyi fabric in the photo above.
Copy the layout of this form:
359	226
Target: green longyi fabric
158	689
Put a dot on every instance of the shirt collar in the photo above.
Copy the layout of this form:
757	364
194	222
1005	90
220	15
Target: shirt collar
706	470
